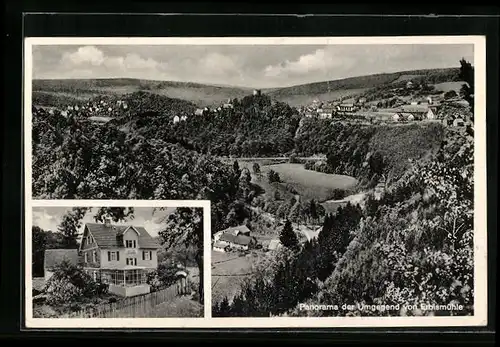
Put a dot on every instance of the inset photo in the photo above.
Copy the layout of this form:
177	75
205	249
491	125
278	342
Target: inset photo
115	262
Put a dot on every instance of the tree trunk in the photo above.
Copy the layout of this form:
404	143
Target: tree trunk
199	262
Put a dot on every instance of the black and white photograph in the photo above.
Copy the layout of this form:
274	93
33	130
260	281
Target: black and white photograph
116	262
346	178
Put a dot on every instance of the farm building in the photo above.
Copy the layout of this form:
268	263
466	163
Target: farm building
346	108
420	111
176	119
198	112
238	230
234	237
395	117
241	242
54	257
325	112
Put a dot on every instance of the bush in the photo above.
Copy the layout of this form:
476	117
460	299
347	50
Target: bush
338	194
70	283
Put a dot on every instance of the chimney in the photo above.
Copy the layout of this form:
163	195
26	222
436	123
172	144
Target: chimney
107	222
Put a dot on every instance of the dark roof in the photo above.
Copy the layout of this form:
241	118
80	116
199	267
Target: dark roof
54	257
239	240
108	236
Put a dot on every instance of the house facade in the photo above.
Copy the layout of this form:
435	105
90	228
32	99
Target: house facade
120	256
346	108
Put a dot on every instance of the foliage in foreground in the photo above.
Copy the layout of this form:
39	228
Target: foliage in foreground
412	247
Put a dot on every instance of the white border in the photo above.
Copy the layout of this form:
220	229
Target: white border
180	322
480	227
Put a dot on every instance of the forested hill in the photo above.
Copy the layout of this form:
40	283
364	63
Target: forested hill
258	127
328	90
255	126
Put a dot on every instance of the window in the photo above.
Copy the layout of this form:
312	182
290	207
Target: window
113	256
131	261
146	255
94	276
86	257
130	243
94	256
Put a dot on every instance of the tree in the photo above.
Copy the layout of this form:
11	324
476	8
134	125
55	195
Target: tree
70	225
313	211
466	74
288	238
273	176
256	169
185	227
450	94
39	239
377	163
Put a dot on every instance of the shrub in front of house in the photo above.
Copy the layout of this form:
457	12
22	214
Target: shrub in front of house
70	283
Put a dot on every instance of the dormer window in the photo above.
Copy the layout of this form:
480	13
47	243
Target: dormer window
130	244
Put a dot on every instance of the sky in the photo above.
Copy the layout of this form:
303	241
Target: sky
48	218
253	66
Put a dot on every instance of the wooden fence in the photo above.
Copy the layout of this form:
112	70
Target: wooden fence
133	307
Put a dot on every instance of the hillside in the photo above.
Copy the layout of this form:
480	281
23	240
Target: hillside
353	86
48	92
199	94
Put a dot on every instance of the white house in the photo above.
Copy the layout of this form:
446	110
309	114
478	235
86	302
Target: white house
119	255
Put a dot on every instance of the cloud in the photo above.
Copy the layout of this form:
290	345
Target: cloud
92	57
84	55
320	60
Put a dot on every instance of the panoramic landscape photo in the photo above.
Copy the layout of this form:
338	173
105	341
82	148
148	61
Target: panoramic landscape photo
340	176
116	262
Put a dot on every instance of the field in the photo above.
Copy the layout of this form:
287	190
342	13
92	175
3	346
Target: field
305	99
447	86
229	271
312	184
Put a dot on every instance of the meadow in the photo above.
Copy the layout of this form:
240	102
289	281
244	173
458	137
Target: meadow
312	184
229	271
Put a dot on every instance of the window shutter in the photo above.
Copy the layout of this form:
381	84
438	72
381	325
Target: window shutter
150	255
135	261
143	255
117	255
109	256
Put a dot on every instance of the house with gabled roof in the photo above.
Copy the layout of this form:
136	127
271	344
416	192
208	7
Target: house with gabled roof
234	238
120	256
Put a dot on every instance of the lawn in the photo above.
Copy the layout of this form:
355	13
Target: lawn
311	184
178	307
